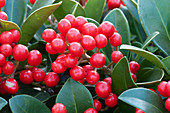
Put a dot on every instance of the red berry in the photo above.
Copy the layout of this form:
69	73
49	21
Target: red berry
2	88
6	37
75	49
32	1
70	61
81	81
90	110
48	35
63	26
167	104
139	111
102	89
26	77
108	80
71	18
113	4
60	58
115	39
20	52
168	88
87	69
58	67
90	29
2	59
101	41
60	36
16	35
6	49
97	105
11	86
80	21
88	42
34	58
73	35
49	49
133	77
152	90
3	16
8	68
98	60
116	56
92	77
77	73
59	108
51	79
162	88
107	29
134	66
2	3
58	45
111	100
38	75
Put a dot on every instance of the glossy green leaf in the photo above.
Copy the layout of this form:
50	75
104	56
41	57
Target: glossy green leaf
166	61
143	71
35	21
118	19
147	55
144	99
154	16
68	7
27	104
75	97
90	20
94	9
3	103
7	25
121	77
16	10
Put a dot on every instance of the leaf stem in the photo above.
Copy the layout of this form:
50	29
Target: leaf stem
110	64
16	65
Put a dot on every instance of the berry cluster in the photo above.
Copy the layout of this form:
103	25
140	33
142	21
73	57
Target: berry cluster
3	15
134	68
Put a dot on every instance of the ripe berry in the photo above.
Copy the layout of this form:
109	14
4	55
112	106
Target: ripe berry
162	88
49	49
92	77
58	45
90	29
60	36
152	90
38	75
6	50
2	59
133	77
97	105
48	35
70	61
60	58
26	77
101	41
6	37
98	60
73	35
59	108
139	111
116	56
77	73
167	104
108	80
111	100
75	49
134	66
3	16
63	26
102	89
113	4
115	39
34	58
81	81
16	35
8	68
87	69
88	42
58	67
2	3
11	86
90	110
71	18
168	88
80	21
107	29
32	1
20	52
51	79
2	88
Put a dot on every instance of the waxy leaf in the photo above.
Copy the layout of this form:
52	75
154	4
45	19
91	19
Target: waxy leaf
75	97
27	104
3	102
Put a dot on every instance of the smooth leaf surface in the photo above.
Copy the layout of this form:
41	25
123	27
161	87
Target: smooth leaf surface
144	99
154	16
27	104
94	9
75	97
121	74
35	21
3	103
166	61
